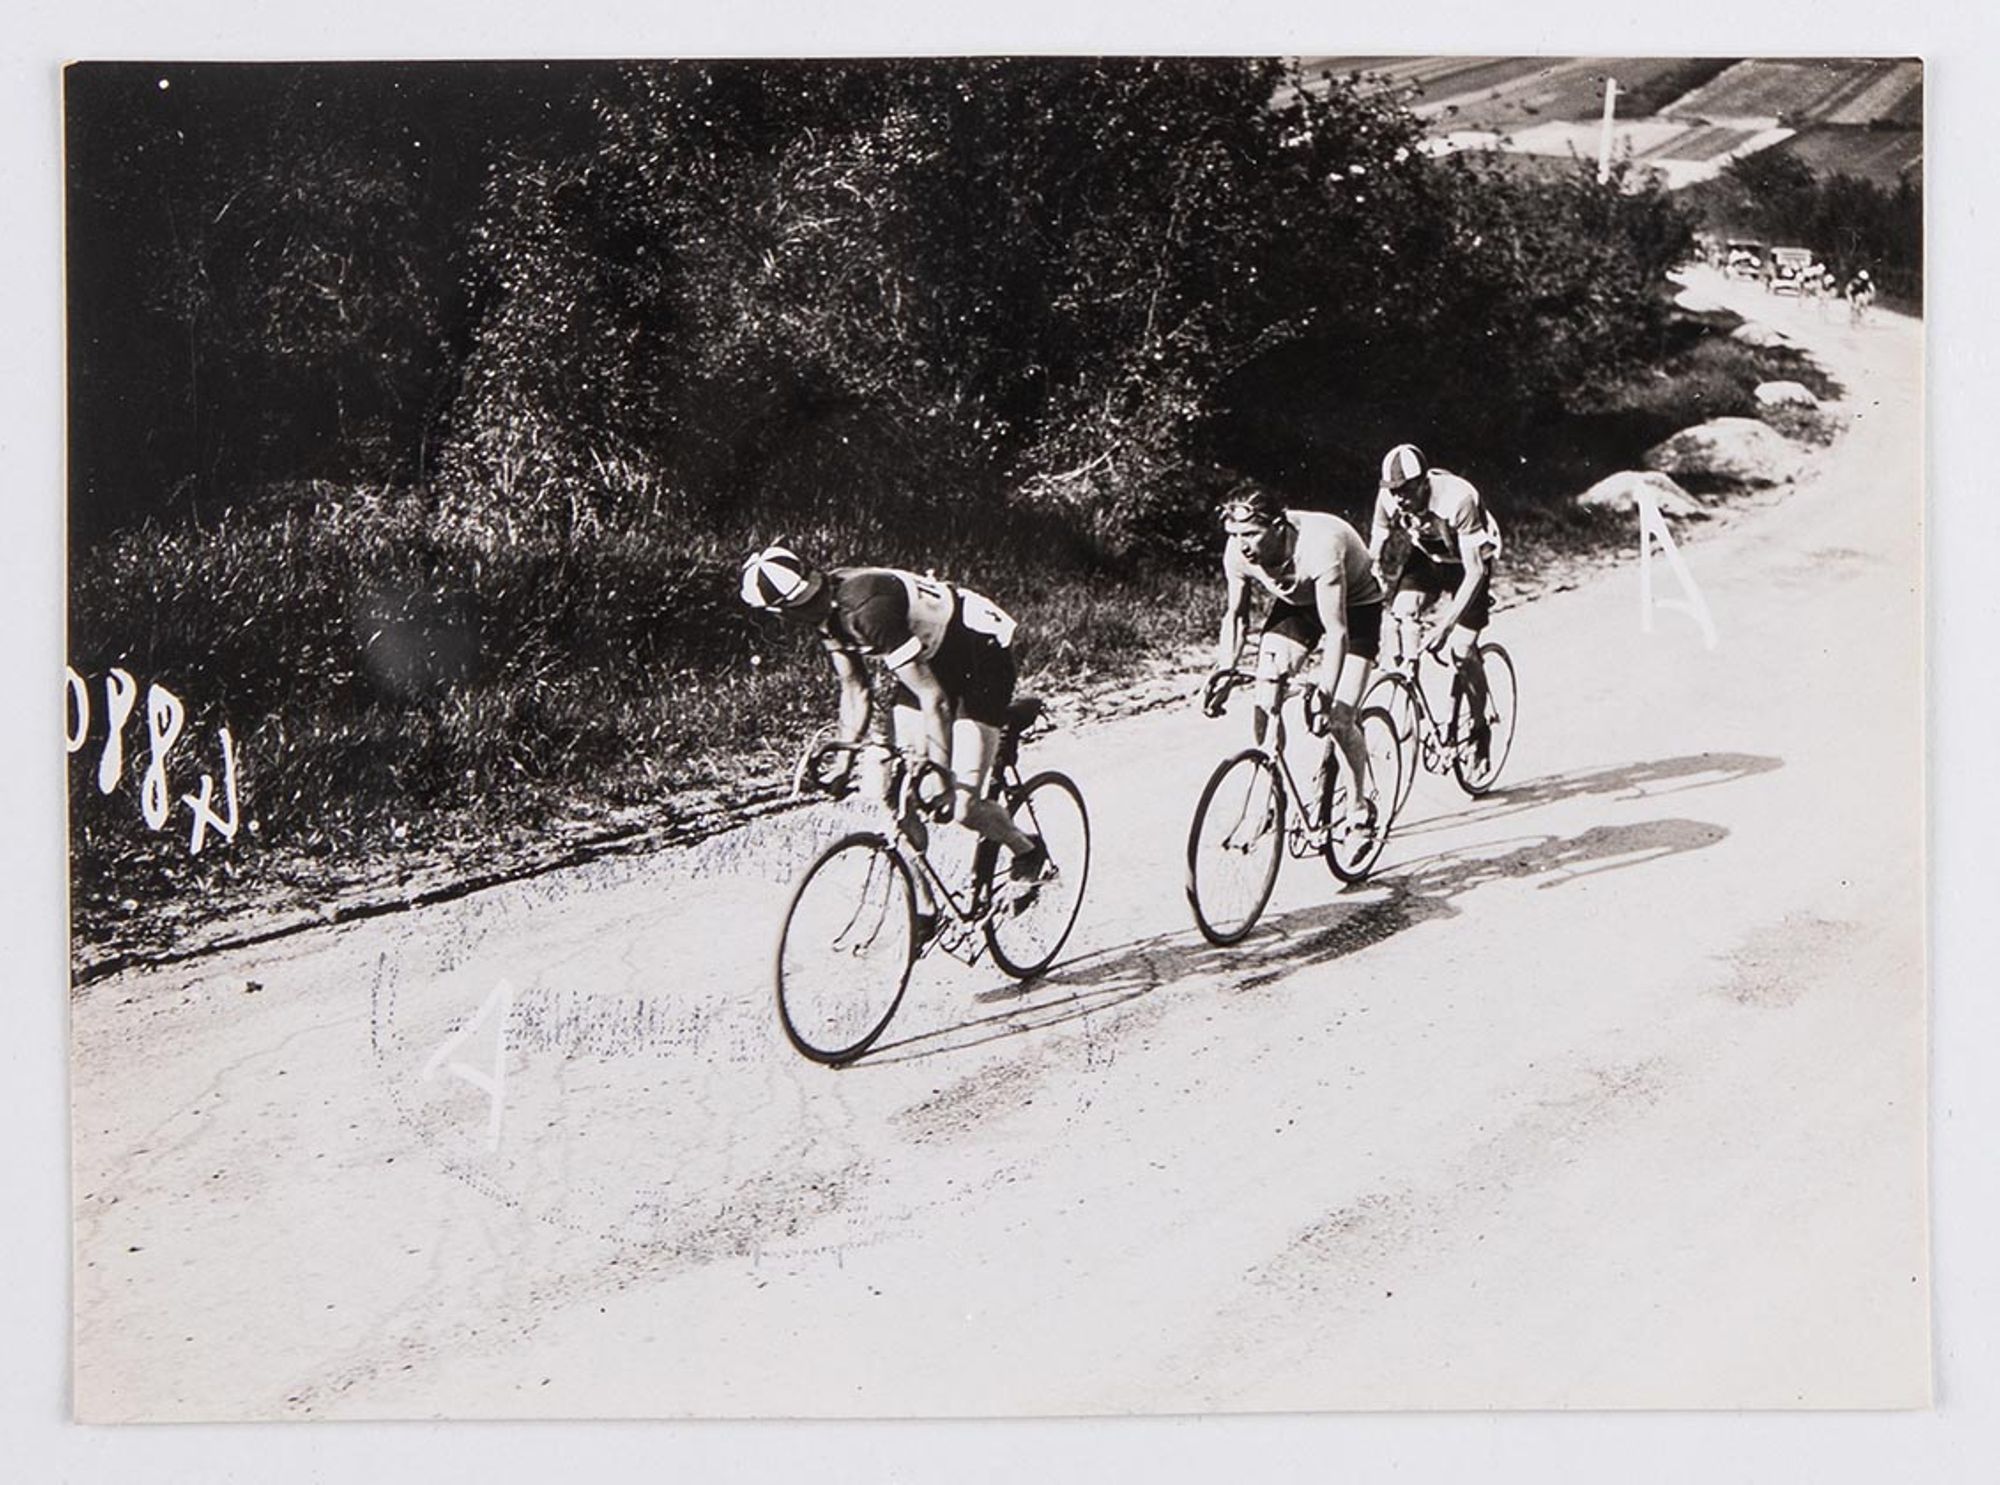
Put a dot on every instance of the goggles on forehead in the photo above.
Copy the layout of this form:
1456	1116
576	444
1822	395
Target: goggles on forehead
1249	513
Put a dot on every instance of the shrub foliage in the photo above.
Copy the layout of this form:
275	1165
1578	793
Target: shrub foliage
1003	318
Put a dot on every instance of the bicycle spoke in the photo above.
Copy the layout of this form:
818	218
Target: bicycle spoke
845	952
1483	750
1030	921
1353	849
1234	847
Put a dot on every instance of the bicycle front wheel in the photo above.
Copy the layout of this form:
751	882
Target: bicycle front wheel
1394	693
1031	921
845	952
1234	846
1483	749
1351	858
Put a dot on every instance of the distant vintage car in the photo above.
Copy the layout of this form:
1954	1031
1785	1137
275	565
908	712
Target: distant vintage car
1792	268
1743	260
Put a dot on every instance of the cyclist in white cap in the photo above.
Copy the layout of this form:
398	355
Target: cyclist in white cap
1435	543
950	652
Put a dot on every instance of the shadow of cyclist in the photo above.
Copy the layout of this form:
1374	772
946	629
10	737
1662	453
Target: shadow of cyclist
1411	893
1650	779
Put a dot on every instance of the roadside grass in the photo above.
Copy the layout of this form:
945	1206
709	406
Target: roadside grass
397	683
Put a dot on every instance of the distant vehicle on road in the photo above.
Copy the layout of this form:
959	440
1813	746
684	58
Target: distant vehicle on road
1790	271
1743	260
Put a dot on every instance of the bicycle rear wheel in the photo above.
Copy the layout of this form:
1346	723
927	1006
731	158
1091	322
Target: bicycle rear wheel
1394	693
845	952
1477	770
1351	859
1030	923
1234	846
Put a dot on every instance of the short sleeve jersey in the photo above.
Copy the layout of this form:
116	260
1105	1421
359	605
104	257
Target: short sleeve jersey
1326	550
899	617
1453	511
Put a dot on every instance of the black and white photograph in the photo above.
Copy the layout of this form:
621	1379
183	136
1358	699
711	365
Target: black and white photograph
1010	736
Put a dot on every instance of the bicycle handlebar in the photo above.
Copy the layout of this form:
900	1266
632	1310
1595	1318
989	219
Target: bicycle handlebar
826	767
1215	696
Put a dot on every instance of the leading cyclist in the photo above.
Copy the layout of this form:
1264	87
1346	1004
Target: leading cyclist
1435	542
1323	592
949	650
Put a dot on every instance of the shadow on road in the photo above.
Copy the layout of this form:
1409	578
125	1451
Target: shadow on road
1648	780
1411	893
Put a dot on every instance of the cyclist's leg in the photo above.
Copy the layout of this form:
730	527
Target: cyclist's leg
981	673
906	734
1406	617
973	747
1468	674
1423	583
1287	639
1364	640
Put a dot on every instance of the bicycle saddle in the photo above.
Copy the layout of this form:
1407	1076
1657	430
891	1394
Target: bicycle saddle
1022	713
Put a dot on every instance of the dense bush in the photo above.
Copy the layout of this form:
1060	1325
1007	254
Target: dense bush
911	287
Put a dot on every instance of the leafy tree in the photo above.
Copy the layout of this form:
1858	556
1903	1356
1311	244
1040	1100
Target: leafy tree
841	291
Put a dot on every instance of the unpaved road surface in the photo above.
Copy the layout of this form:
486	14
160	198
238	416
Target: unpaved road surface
1608	1091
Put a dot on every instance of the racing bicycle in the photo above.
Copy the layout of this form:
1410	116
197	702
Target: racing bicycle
1252	813
874	902
1472	755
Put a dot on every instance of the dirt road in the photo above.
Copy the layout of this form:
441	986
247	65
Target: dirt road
1608	1092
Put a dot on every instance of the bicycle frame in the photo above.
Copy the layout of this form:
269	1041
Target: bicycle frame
964	910
1307	836
1435	750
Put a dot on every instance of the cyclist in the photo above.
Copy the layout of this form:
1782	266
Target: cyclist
1860	294
1435	543
949	650
1323	592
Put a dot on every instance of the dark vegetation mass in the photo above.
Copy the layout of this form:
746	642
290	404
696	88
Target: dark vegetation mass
421	414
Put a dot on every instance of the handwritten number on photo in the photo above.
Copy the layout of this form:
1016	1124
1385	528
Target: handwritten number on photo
202	804
166	717
120	692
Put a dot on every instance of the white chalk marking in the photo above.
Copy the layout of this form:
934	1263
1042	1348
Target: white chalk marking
205	817
76	709
164	718
493	1084
1653	531
121	692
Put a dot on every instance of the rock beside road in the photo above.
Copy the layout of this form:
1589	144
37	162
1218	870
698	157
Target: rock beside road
1620	492
1752	333
1742	451
1697	303
1785	394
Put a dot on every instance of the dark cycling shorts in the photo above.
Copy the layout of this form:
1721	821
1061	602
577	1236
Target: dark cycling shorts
1299	622
977	673
1425	574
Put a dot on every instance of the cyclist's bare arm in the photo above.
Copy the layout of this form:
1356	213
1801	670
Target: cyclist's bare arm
1235	608
855	703
1330	595
1471	552
932	707
1378	531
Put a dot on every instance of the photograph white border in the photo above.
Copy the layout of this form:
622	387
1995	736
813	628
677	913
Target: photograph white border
1955	1441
